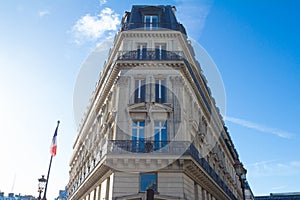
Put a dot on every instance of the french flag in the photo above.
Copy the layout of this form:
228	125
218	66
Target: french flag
54	142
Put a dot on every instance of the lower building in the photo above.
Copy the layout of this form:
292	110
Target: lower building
62	195
280	196
12	196
248	192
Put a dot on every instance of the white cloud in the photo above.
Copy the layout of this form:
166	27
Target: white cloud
259	127
193	15
102	2
295	164
92	28
43	13
273	167
281	187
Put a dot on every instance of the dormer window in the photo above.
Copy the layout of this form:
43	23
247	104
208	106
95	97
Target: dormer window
150	21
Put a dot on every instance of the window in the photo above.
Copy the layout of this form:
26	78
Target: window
142	51
160	51
150	21
138	136
140	91
148	181
160	134
160	91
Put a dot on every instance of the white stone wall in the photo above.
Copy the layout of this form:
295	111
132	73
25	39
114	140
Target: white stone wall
189	190
170	183
125	184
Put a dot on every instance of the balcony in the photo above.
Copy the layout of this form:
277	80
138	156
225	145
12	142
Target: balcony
150	55
184	148
192	151
147	146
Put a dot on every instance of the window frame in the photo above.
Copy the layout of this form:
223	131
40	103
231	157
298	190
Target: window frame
160	51
149	25
160	134
141	51
140	90
160	91
138	139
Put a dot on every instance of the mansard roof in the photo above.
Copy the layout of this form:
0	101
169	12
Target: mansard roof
166	17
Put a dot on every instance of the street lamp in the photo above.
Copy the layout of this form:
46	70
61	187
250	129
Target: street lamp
241	172
42	183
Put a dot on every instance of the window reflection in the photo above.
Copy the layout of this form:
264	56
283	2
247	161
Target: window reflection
148	181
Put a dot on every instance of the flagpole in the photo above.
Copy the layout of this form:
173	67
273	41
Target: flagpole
44	197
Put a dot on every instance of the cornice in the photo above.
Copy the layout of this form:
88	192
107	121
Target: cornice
165	33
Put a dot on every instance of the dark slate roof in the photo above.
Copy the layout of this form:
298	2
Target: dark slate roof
167	19
280	196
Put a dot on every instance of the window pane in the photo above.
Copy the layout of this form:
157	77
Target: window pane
164	135
160	91
134	134
160	135
142	123
142	133
140	91
148	181
143	93
156	136
138	134
163	93
154	19
141	51
147	19
150	21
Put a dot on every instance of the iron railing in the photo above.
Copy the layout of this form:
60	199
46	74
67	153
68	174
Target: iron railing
192	151
146	146
153	26
150	55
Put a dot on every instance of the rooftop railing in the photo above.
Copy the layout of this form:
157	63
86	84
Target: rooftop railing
153	26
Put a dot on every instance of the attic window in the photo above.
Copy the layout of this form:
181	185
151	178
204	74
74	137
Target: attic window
150	21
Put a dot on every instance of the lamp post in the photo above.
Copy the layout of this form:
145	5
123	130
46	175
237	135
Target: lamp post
241	172
42	183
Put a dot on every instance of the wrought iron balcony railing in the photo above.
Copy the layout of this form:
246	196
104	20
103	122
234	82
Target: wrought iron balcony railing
146	146
170	148
150	55
153	26
192	151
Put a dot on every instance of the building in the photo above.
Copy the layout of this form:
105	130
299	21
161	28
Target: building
280	196
12	196
62	195
152	124
248	192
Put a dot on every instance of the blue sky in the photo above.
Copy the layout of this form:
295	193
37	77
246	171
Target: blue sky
44	46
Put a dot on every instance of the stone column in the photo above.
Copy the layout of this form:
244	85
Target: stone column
204	195
199	192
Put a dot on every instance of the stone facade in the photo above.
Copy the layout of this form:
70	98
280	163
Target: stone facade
152	122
